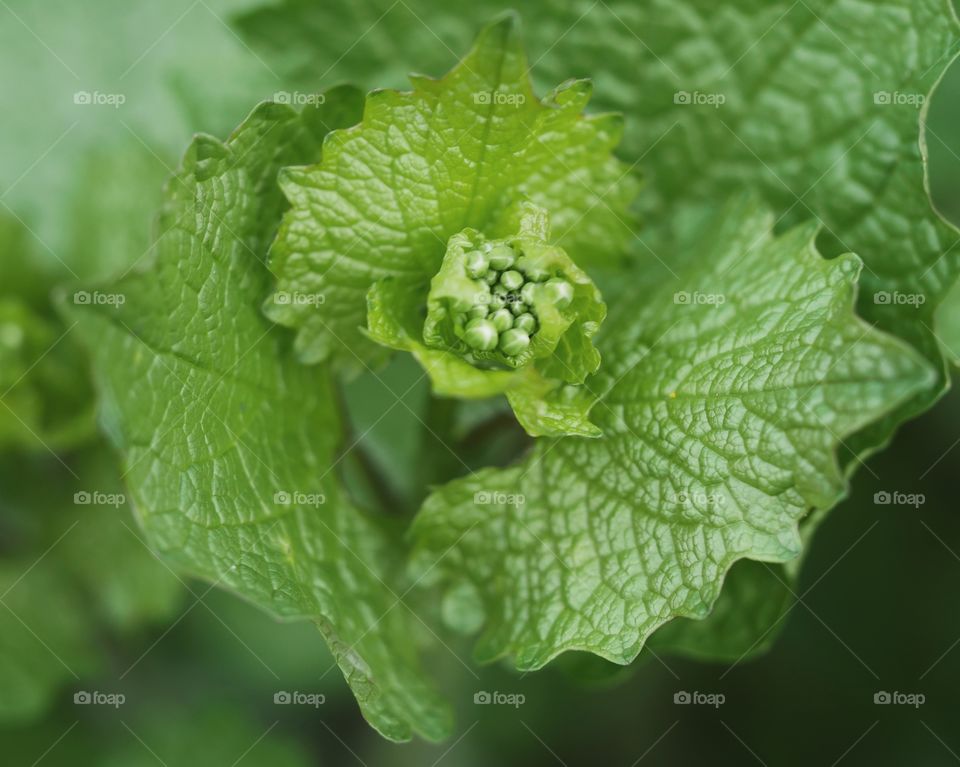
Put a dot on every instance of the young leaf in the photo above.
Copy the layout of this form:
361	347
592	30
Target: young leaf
819	105
722	407
228	443
453	153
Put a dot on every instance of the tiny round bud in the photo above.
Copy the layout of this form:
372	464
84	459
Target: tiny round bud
535	273
560	292
525	322
476	264
502	257
502	320
513	342
517	306
511	280
526	293
497	301
481	335
491	277
477	312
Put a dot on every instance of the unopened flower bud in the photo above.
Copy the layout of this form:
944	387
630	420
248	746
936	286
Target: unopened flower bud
525	322
502	257
511	280
526	293
481	335
477	264
502	320
514	342
560	292
536	273
478	312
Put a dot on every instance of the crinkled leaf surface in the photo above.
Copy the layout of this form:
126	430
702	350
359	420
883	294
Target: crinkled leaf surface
227	441
819	112
454	153
722	407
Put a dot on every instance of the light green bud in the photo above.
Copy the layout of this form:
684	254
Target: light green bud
502	257
502	320
511	280
476	264
526	322
535	273
481	335
560	292
478	312
526	293
513	342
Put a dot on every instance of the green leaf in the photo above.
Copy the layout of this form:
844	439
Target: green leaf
819	113
453	153
722	407
227	442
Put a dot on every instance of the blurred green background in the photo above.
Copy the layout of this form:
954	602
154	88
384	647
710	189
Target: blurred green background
199	669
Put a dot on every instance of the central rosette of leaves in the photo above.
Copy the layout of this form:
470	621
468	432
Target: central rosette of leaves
503	303
506	313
